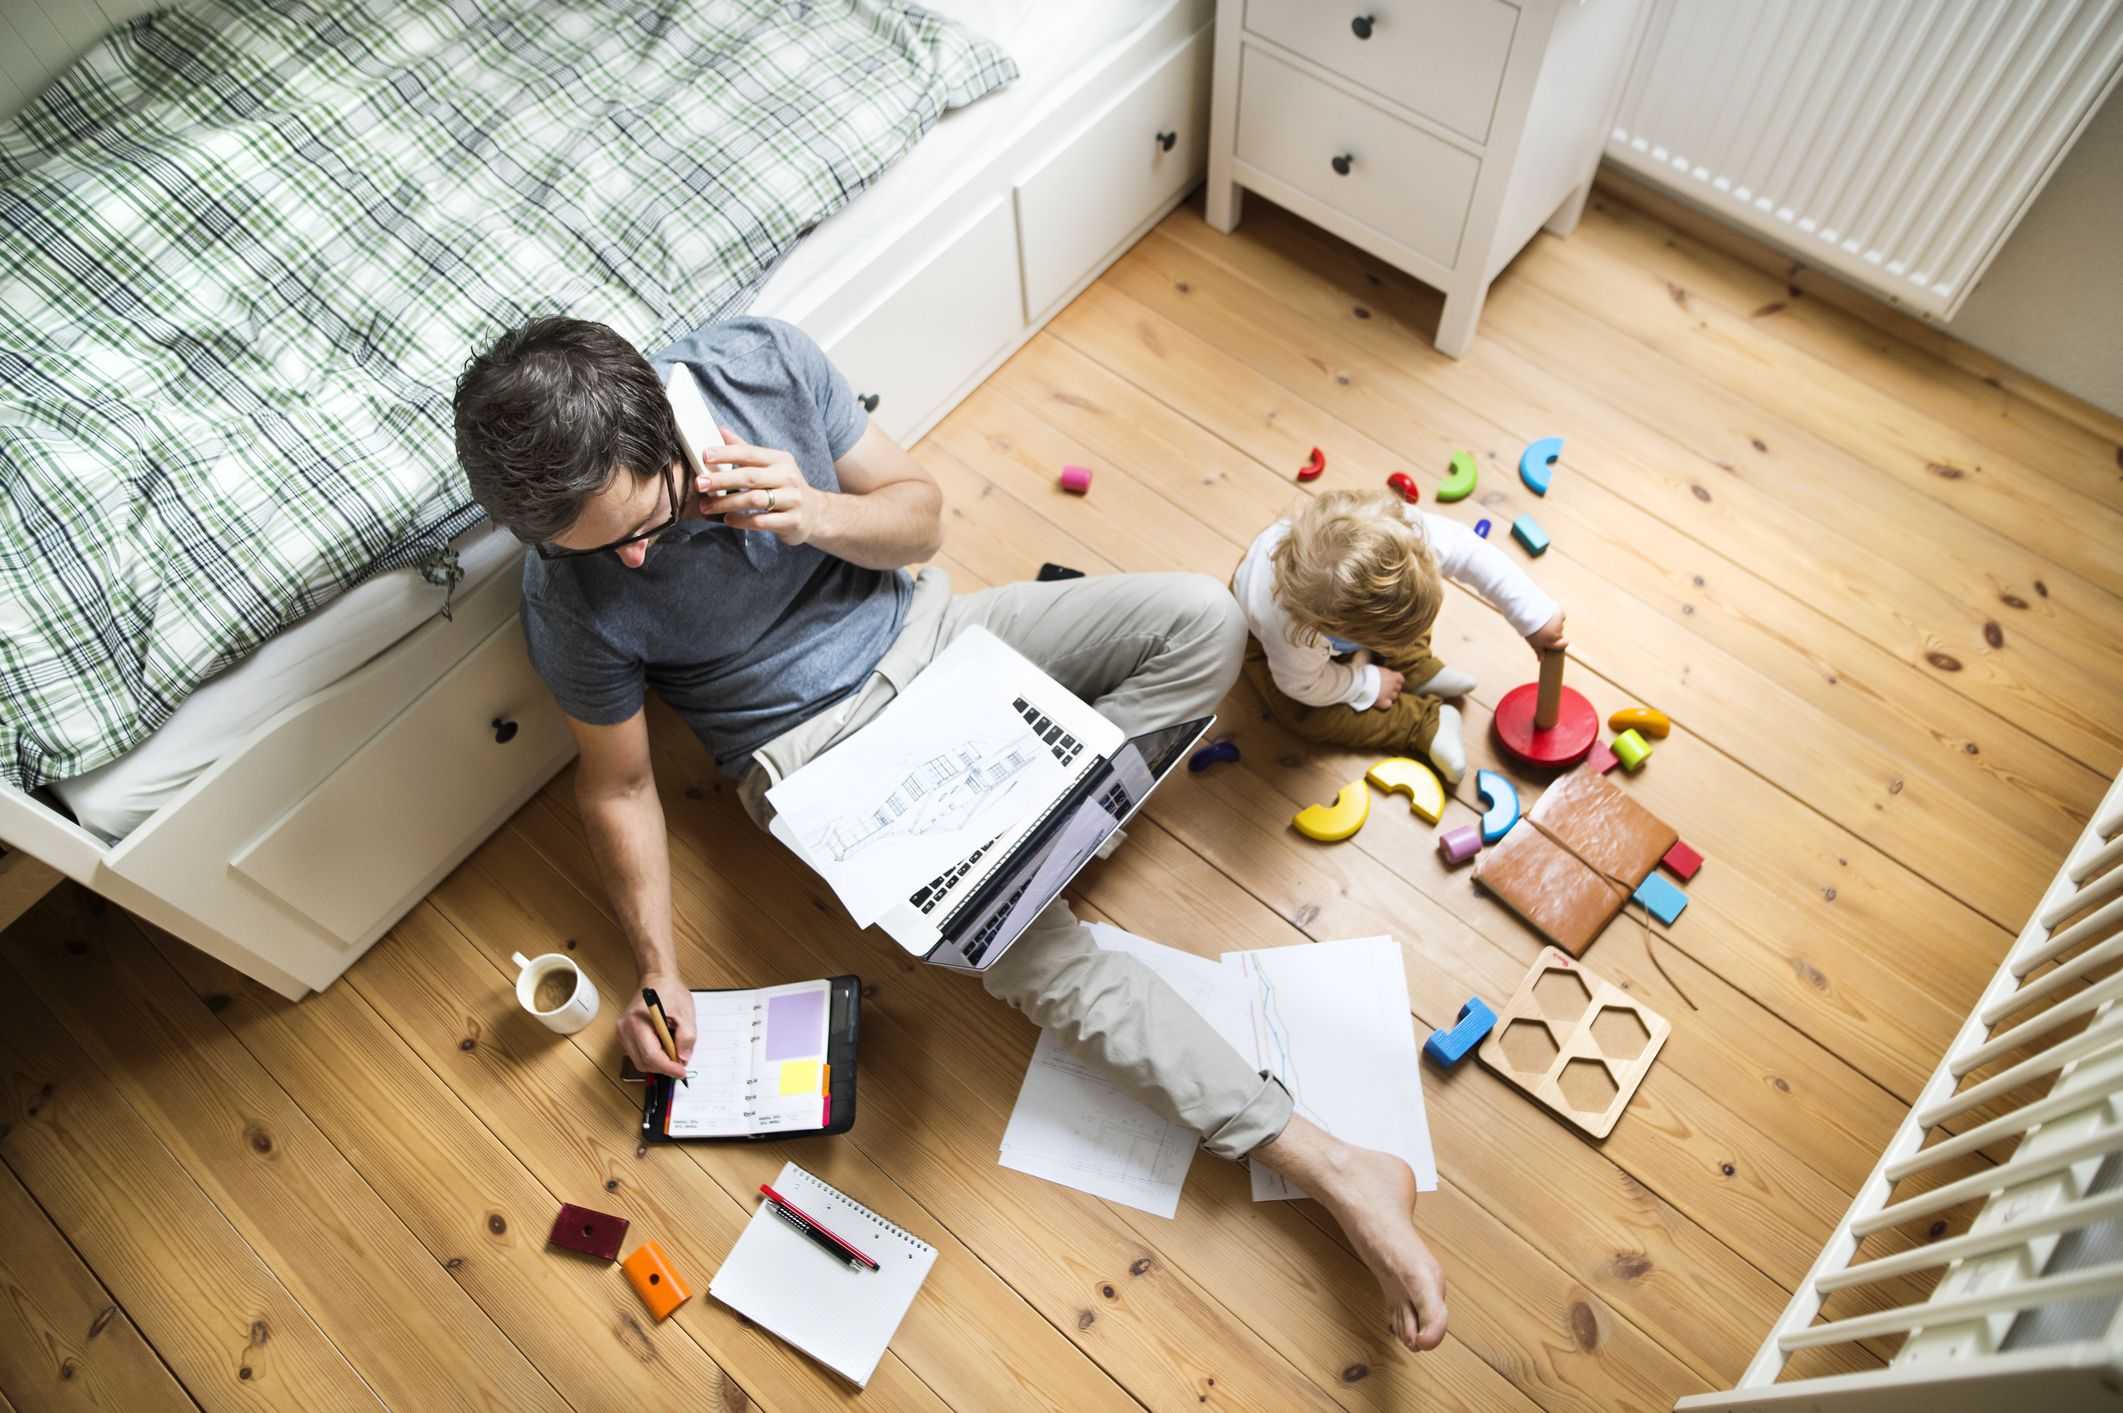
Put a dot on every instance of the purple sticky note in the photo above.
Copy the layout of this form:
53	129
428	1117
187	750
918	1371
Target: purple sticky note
796	1025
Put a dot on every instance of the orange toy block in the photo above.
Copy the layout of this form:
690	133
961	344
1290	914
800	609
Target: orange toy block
660	1288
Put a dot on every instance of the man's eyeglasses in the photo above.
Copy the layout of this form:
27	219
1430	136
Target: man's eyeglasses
547	550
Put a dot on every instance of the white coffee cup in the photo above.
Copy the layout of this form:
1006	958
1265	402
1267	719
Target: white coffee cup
571	1015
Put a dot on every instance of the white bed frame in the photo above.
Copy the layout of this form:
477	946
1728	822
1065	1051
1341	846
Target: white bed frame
2049	1015
290	856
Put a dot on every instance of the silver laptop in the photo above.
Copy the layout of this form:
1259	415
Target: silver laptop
966	917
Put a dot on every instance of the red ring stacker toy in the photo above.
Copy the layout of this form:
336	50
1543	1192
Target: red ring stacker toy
1545	723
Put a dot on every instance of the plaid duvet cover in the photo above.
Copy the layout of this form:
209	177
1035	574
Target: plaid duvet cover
246	247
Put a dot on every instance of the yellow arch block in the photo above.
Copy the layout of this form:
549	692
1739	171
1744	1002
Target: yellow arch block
1330	824
1648	720
1426	794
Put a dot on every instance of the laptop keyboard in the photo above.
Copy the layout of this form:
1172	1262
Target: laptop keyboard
938	888
1066	748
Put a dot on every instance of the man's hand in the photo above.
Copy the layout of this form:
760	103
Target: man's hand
638	1037
765	491
1389	688
1549	636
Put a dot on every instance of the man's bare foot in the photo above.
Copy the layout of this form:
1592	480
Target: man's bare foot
1372	1195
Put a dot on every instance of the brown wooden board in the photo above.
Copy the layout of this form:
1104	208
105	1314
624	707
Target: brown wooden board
1575	1042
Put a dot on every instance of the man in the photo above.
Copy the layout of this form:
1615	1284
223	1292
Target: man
768	604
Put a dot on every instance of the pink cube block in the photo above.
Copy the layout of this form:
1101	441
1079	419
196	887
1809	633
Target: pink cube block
1456	846
1076	479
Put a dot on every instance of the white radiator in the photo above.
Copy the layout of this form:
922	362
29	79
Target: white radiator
1896	142
2027	1308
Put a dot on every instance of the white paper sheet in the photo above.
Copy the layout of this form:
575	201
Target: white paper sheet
1331	1020
956	760
1071	1126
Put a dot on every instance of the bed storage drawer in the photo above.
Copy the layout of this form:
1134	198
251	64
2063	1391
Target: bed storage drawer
1441	58
924	339
1136	153
1390	175
359	848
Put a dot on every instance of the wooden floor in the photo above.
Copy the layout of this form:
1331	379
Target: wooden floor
1874	578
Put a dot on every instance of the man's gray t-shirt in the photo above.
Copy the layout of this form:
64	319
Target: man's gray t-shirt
744	636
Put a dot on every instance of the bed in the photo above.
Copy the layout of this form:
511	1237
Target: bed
268	819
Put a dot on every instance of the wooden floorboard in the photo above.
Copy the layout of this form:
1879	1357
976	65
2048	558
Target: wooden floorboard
1869	572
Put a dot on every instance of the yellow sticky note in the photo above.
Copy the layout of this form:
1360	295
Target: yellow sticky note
802	1076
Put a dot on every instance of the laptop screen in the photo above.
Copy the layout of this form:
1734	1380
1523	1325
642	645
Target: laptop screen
1067	841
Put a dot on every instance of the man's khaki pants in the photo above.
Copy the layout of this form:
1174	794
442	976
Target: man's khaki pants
1146	650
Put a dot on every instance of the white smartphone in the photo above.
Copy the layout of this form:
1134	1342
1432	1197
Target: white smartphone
696	424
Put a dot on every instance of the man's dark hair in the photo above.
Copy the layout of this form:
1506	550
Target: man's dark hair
549	413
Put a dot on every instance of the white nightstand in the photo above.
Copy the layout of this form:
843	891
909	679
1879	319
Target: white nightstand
1437	134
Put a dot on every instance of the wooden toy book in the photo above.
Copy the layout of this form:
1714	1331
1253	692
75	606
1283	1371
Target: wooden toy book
1572	862
771	1062
1579	1045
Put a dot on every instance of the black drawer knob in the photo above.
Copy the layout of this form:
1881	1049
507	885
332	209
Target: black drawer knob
504	730
868	401
1343	163
1166	139
1361	26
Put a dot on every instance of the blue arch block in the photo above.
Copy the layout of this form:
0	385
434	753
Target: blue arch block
1537	461
1500	802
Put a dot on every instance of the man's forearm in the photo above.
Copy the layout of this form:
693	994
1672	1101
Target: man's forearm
887	528
627	838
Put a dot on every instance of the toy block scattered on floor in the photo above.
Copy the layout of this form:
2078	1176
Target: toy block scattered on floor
660	1287
1537	464
1661	899
1403	484
1456	846
1481	527
1330	824
1682	861
1600	758
1645	721
1449	1047
1314	467
1076	479
1528	532
1569	870
1500	804
1215	753
1576	1044
1426	795
589	1231
1459	484
1632	750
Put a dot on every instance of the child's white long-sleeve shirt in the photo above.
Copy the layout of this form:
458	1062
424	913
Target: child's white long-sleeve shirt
1306	670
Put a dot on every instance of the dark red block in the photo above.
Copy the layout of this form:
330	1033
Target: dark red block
591	1232
1682	861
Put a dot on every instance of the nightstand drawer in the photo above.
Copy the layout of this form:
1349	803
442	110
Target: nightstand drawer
1441	58
1399	180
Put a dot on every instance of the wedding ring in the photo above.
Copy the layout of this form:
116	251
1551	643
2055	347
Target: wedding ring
770	500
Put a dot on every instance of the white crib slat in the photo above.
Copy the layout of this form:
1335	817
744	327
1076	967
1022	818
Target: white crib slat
2085	896
2097	923
1983	1184
2061	979
2103	859
2043	1110
2090	999
2069	1217
2094	1280
2103	1034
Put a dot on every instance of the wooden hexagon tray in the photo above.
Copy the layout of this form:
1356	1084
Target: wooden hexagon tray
1577	1044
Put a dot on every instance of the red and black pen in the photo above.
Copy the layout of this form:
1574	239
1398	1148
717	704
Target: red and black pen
796	1217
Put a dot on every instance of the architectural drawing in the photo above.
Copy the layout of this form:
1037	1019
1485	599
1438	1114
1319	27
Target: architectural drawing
944	792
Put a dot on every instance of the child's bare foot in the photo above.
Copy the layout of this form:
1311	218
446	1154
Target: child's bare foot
1372	1196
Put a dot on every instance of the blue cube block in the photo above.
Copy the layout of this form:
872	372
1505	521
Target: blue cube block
1528	532
1449	1047
1662	899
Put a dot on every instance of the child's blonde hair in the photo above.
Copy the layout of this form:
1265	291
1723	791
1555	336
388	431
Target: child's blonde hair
1353	567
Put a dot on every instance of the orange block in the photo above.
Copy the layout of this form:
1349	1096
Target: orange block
650	1273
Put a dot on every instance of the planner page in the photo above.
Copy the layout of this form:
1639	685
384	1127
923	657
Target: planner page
758	1065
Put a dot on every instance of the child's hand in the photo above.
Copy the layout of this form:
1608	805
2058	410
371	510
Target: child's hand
1389	688
1549	636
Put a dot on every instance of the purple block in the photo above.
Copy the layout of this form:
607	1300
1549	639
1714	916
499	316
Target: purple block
1216	754
1481	527
796	1025
1456	846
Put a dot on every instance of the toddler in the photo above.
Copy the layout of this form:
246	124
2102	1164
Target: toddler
1342	596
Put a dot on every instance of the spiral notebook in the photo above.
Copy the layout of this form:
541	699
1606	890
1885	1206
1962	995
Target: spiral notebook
839	1316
